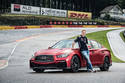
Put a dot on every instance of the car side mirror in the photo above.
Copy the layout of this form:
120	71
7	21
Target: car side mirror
89	47
49	47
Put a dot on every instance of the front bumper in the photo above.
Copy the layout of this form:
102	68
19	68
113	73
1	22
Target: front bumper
54	65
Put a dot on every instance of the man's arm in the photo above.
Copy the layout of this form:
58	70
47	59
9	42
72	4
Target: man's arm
86	40
73	44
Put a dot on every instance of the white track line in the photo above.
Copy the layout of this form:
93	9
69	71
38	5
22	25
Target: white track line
4	66
117	44
13	51
10	56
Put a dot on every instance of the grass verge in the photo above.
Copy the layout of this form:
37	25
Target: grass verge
121	34
102	39
44	17
43	20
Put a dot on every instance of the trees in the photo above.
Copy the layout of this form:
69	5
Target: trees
101	4
94	6
122	4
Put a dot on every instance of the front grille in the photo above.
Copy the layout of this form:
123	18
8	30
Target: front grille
60	65
44	58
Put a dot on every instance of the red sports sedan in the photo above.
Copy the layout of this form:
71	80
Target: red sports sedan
61	56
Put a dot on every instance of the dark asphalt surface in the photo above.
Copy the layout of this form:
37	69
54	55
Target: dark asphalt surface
13	35
18	69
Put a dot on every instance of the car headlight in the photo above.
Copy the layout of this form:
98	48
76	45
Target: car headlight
33	57
62	56
66	54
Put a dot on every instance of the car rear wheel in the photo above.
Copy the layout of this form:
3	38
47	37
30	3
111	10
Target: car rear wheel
38	70
105	66
75	64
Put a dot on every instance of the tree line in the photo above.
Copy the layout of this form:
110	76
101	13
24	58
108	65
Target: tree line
94	6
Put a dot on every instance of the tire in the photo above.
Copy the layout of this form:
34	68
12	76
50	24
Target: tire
105	66
75	64
66	70
39	70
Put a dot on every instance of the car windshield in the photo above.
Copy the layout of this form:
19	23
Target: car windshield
65	44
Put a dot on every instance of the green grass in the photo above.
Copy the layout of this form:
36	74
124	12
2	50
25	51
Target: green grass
44	17
121	34
53	18
102	39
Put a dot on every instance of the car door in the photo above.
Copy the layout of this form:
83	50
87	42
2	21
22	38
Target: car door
94	53
101	53
82	59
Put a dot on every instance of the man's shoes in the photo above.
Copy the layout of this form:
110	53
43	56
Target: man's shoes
92	71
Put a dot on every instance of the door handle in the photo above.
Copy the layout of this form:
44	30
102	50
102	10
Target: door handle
93	52
102	51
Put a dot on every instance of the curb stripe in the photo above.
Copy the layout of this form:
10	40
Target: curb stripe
6	27
59	26
21	27
45	26
32	27
102	25
75	26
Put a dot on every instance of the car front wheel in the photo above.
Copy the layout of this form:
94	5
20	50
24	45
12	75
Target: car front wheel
75	64
105	66
38	70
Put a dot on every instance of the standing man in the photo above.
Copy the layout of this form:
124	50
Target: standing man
83	41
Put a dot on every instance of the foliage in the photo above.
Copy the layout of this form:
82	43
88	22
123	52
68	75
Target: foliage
94	6
122	36
107	17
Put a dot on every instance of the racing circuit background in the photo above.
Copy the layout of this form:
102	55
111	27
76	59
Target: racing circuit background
17	50
28	26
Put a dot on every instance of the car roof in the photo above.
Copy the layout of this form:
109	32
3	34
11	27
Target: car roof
74	39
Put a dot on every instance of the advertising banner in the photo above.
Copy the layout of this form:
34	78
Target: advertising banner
63	13
46	11
82	15
24	9
53	12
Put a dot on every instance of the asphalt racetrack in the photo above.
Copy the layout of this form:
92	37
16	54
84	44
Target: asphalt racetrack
18	46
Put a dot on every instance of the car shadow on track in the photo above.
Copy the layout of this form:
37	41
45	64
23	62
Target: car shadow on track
62	72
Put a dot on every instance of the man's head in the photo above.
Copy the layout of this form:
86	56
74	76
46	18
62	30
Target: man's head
83	32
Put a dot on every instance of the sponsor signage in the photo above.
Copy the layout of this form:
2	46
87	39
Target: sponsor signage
53	12
82	15
24	9
45	11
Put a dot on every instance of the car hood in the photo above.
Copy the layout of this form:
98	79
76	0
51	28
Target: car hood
53	51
